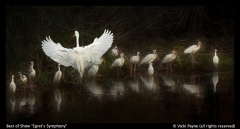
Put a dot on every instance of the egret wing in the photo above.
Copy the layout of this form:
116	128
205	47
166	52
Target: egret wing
56	52
189	49
93	52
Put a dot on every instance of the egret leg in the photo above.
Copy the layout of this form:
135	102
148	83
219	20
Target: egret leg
121	70
171	66
135	67
131	69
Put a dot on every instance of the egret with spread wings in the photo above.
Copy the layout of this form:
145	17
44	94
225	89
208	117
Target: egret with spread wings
79	57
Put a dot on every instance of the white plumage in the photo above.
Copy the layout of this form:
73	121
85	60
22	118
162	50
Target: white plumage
93	70
215	59
149	58
114	51
79	57
169	58
119	62
150	69
31	73
23	79
192	50
12	85
58	75
134	60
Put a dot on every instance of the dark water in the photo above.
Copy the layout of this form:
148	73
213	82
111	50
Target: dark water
161	98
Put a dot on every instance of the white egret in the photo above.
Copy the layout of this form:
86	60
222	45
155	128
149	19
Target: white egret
119	62
134	60
149	58
58	75
169	58
79	57
31	73
12	85
215	80
23	79
114	51
192	50
150	69
215	59
93	70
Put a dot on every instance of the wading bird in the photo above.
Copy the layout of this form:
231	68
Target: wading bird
114	51
93	70
149	58
31	73
150	69
192	50
119	63
12	85
23	79
215	59
134	60
169	58
58	75
79	57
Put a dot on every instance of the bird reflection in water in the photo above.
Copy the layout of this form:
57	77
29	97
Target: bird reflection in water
31	101
134	85
22	100
58	98
168	81
149	82
117	89
215	80
194	88
94	88
12	100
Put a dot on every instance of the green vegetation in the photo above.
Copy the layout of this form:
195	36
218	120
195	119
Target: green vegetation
144	28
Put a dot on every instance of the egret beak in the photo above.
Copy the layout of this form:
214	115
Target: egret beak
178	57
126	57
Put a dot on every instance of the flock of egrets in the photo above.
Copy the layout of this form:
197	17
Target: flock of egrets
90	57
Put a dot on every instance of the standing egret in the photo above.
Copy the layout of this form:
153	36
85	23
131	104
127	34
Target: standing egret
150	69
12	85
169	58
58	75
114	51
215	80
23	79
134	60
192	50
93	70
119	62
149	58
79	57
31	73
215	59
